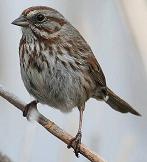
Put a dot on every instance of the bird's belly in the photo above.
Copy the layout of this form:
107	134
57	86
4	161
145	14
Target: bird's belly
61	89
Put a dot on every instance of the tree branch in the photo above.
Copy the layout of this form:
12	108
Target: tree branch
49	125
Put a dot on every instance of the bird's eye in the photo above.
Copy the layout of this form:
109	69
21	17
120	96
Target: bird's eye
40	17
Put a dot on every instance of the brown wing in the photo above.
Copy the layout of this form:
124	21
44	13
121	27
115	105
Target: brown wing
83	51
93	65
95	70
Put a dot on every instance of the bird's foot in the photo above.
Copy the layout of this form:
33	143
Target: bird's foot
29	107
75	142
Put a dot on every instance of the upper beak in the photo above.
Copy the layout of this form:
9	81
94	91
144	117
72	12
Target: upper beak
21	21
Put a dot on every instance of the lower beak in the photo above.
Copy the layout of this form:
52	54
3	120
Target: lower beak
21	21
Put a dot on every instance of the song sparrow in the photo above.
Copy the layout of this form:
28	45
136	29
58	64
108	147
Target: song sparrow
59	68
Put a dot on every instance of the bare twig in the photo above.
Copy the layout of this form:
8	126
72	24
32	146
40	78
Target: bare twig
49	125
4	158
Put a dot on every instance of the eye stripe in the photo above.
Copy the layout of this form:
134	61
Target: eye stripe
59	21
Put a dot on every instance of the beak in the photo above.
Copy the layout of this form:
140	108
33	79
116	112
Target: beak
21	21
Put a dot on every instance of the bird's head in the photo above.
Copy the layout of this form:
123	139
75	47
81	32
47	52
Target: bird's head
40	21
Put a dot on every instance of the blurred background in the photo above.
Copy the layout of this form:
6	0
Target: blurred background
117	33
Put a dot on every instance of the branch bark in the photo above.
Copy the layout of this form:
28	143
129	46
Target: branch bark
49	125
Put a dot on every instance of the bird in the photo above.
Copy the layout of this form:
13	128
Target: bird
58	67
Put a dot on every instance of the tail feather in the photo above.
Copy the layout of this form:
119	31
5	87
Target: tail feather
118	104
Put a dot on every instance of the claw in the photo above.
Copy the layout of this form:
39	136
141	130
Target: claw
75	142
28	107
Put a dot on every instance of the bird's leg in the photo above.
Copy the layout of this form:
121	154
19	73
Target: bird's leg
76	141
29	107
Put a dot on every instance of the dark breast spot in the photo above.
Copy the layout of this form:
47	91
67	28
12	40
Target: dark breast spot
39	68
51	50
68	49
64	64
59	50
72	66
32	85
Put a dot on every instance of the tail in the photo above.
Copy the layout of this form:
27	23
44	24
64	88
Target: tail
118	104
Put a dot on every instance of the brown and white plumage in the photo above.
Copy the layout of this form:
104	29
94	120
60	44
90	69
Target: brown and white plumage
57	65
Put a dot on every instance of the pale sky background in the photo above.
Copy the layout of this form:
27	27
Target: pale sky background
116	137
